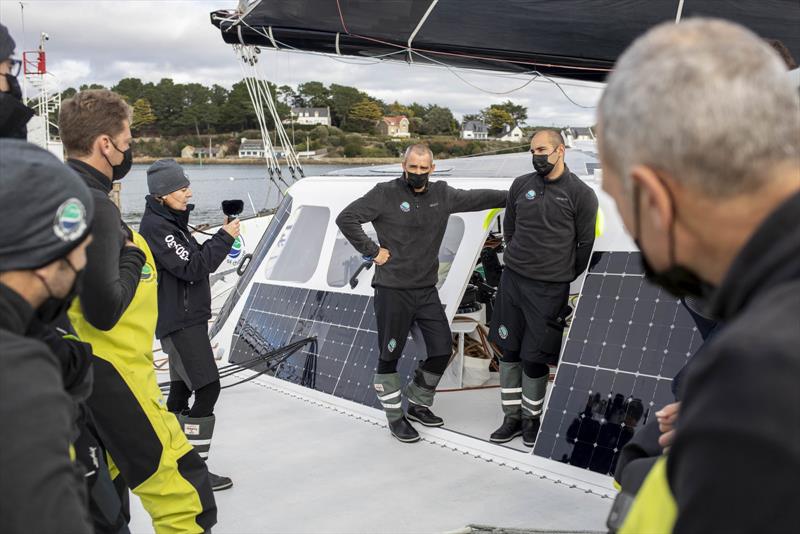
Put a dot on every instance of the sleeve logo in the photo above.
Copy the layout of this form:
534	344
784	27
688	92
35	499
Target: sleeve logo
180	250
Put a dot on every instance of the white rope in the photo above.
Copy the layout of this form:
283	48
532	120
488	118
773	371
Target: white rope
272	39
338	52
263	95
679	14
419	26
269	153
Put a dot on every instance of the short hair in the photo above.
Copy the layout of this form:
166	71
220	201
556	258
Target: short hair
706	101
784	52
88	115
419	148
553	136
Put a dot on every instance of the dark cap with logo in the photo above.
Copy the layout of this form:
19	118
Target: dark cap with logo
7	44
165	176
47	209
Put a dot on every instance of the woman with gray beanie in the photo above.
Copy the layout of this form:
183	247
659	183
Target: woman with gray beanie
184	301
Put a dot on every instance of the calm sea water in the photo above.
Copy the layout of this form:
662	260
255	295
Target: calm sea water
211	184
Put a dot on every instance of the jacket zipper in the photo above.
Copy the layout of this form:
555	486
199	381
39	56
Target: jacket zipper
185	298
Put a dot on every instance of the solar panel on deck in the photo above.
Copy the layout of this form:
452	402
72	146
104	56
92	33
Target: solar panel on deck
343	360
628	339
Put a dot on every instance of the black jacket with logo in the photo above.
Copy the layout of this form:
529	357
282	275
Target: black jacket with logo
184	265
410	226
549	227
112	269
41	487
735	462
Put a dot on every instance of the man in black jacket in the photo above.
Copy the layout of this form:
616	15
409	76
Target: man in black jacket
42	258
410	216
184	301
705	172
115	312
549	229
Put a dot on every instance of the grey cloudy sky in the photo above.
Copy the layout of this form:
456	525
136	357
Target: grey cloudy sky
104	41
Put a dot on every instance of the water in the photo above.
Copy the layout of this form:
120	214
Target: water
211	184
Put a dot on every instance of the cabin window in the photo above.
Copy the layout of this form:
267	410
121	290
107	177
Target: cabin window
345	260
296	252
447	251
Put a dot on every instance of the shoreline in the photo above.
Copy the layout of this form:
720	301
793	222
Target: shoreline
145	160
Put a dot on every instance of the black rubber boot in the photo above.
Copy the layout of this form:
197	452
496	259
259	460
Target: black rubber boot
403	431
422	414
219	483
510	429
530	428
199	431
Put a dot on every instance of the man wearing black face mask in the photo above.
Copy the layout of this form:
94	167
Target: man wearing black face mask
42	253
410	216
711	193
14	115
549	229
95	130
117	313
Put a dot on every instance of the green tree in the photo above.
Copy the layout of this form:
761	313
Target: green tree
496	118
439	120
518	113
314	94
364	116
142	115
130	88
343	98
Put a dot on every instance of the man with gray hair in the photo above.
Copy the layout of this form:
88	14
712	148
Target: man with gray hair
698	134
410	216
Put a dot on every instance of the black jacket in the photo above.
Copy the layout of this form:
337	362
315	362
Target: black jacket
112	269
549	227
42	489
410	226
735	462
184	292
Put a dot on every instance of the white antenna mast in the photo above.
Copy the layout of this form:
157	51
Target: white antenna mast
22	45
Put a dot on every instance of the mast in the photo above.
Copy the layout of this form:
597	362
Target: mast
43	127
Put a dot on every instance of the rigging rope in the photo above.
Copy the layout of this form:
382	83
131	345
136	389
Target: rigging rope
263	102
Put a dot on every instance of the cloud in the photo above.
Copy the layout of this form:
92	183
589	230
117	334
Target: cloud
105	41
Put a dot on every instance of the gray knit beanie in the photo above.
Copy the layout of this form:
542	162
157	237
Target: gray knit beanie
55	219
165	176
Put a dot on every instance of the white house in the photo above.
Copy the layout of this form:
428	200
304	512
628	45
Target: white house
312	116
511	134
474	130
251	148
577	134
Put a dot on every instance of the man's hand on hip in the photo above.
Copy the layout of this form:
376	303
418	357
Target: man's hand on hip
382	256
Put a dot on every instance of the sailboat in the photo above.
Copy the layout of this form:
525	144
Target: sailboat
300	429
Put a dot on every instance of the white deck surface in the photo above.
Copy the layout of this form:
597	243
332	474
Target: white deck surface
304	466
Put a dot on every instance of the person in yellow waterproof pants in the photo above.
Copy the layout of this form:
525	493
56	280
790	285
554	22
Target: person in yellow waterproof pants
117	313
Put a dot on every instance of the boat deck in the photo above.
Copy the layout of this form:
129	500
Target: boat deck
303	464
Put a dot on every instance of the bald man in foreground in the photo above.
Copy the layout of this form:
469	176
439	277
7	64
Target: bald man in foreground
410	216
705	171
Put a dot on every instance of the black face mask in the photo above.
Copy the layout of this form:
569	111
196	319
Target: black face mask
542	164
677	280
13	86
54	307
417	180
118	172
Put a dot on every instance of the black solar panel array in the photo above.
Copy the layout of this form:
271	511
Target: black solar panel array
342	362
628	339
